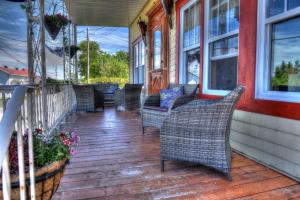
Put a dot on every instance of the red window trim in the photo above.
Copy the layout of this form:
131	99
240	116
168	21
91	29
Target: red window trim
246	64
247	68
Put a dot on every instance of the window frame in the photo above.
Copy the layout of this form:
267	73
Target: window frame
137	62
262	86
206	60
183	50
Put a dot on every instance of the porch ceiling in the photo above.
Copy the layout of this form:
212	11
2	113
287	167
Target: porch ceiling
104	12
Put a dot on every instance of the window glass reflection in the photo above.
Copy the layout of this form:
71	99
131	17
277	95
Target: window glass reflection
285	58
224	17
223	74
157	49
293	4
225	46
275	7
193	64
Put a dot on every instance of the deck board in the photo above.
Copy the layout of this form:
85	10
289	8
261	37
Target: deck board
115	161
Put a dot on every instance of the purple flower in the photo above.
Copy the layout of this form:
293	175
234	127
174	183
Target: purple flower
74	136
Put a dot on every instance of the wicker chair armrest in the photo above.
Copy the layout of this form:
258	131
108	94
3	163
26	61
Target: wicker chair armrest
196	104
152	100
181	100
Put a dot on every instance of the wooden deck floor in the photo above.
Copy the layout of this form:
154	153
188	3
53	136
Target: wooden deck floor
115	161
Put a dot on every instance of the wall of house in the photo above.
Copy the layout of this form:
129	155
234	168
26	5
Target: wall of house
3	78
172	49
135	35
266	131
13	80
273	141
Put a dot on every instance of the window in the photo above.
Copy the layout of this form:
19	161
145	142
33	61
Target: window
190	43
157	49
139	62
221	46
278	65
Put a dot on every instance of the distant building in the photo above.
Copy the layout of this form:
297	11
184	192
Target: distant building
12	76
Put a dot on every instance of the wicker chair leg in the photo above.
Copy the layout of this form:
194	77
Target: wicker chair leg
162	165
143	129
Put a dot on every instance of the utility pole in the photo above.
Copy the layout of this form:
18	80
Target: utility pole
88	54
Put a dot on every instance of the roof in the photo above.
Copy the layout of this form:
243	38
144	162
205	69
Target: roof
14	71
112	13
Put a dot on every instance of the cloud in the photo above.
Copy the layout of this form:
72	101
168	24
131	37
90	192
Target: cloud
110	39
13	47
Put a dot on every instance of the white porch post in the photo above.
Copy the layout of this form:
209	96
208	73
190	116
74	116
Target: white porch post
30	99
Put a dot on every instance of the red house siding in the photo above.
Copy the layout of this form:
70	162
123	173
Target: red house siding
247	63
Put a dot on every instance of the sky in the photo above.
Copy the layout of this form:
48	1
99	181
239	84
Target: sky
13	37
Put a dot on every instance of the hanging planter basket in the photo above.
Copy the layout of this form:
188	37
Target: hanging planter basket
73	50
47	180
54	23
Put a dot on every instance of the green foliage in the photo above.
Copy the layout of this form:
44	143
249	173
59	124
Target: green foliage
47	148
283	73
105	79
102	64
53	150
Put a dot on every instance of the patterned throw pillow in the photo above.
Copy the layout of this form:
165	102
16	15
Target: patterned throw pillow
168	95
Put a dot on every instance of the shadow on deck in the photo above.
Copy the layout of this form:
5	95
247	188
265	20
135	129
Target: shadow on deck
115	161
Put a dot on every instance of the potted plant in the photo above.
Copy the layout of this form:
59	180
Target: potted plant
54	23
51	155
73	50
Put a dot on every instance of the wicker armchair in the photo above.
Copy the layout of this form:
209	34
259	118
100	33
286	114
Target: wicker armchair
108	90
85	97
199	132
129	97
153	115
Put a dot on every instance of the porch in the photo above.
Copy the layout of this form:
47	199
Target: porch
115	161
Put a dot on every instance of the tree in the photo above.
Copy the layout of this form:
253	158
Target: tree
103	64
94	59
283	71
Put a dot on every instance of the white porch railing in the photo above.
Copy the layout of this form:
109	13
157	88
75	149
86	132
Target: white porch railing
22	111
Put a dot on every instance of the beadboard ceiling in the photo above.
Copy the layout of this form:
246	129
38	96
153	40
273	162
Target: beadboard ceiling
113	13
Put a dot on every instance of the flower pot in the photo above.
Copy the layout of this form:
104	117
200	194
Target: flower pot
73	50
54	23
47	180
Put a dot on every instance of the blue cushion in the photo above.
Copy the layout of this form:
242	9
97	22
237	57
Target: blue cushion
168	95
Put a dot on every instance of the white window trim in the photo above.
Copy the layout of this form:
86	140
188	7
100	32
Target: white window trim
263	54
182	67
206	60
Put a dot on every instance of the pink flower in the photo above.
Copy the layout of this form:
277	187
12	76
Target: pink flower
72	152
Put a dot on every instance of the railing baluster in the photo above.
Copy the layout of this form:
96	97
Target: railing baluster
6	178
21	159
30	114
5	165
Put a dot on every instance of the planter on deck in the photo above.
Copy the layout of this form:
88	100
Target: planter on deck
47	180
